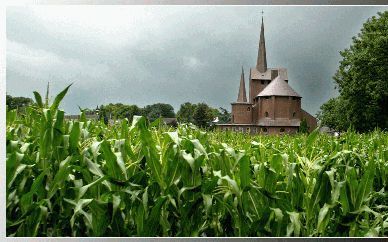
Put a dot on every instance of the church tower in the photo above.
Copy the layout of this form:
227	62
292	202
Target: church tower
261	75
242	110
273	106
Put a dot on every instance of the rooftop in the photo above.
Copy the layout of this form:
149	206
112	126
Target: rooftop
278	87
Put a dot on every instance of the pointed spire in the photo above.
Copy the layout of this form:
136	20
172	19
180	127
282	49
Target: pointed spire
262	56
242	96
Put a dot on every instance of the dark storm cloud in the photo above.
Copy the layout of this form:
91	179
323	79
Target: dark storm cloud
143	55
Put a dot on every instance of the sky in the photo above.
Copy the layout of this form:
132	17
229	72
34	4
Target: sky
173	54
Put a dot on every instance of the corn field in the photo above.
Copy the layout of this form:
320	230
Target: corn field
83	178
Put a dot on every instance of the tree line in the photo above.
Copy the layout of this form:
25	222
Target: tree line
199	114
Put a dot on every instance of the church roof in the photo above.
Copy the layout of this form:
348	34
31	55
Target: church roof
278	87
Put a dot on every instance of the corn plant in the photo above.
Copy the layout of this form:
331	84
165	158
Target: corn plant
85	178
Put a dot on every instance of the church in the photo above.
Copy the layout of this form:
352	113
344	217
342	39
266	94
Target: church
273	106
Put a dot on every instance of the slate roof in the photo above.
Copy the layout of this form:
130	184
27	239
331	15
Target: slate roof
278	87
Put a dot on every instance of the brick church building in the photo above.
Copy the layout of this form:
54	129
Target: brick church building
273	106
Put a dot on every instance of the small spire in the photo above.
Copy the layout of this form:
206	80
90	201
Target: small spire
262	56
242	96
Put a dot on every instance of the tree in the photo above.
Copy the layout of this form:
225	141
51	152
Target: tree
186	113
154	111
224	116
103	114
18	102
333	114
203	115
362	80
128	111
303	128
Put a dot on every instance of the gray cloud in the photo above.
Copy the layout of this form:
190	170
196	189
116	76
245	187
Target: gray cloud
173	54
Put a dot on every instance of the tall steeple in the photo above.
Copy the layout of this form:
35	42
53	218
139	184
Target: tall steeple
242	96
261	56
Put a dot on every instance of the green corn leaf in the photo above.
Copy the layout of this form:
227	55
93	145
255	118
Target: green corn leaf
54	106
245	172
324	217
294	226
38	99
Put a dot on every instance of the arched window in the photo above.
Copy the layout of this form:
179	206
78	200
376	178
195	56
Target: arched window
265	130
294	114
266	114
249	109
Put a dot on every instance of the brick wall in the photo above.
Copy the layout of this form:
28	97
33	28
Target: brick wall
241	113
311	120
265	105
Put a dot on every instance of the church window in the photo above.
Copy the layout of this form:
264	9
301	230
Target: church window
294	114
281	130
266	114
265	130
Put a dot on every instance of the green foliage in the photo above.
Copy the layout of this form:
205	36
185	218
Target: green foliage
304	128
223	115
203	115
84	178
118	111
362	80
333	114
155	111
18	102
186	113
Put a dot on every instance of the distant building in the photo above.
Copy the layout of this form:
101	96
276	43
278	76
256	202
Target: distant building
76	117
170	121
273	106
